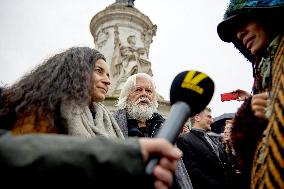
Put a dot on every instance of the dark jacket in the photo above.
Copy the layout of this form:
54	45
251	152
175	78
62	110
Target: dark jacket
38	161
204	167
130	128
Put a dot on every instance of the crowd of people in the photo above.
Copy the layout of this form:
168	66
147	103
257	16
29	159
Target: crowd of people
55	130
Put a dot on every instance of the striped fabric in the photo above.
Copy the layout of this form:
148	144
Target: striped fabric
268	166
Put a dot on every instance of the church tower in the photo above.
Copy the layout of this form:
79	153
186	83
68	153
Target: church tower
124	35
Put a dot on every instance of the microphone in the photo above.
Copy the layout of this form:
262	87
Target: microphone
190	93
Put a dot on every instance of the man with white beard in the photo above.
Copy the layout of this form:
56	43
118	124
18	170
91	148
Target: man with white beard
137	113
137	116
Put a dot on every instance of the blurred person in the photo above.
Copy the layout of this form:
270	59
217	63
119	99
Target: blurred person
62	95
230	151
185	129
253	27
35	161
227	136
138	116
204	159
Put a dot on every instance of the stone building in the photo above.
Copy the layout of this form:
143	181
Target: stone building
124	35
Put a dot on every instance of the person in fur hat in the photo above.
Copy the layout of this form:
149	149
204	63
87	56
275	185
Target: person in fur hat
256	30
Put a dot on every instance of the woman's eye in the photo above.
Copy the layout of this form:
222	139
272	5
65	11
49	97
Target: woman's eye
98	70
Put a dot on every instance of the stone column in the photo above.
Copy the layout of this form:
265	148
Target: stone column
124	35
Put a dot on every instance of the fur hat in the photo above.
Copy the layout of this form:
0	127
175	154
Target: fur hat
240	11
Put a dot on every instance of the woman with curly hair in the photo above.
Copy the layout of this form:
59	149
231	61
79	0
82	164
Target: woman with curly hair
256	30
62	96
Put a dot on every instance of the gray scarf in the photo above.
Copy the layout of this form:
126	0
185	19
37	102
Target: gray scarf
78	120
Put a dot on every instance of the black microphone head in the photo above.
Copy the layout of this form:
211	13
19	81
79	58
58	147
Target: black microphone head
194	88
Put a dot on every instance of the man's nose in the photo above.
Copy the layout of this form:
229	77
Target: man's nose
144	93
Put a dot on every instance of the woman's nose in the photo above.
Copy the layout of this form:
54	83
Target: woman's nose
107	80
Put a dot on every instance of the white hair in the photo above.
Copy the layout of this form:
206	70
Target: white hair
140	112
129	86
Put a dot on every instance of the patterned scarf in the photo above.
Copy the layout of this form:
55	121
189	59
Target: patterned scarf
268	164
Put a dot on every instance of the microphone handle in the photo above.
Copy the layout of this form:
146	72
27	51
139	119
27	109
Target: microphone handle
179	114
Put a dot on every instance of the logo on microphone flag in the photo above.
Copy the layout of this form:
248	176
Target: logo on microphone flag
192	80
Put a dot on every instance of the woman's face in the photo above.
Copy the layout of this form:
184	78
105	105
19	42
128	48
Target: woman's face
101	80
253	37
227	131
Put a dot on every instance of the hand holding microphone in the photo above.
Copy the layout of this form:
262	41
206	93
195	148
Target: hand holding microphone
191	91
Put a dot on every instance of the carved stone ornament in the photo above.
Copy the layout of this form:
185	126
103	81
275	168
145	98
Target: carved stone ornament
101	38
126	61
147	36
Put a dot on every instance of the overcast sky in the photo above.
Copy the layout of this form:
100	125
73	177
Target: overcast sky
33	30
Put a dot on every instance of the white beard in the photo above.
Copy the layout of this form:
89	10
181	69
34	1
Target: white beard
140	112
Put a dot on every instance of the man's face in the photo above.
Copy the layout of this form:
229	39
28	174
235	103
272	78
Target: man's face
140	104
204	120
142	94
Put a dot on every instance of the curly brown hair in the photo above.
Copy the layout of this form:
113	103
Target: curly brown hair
65	77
